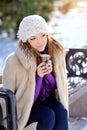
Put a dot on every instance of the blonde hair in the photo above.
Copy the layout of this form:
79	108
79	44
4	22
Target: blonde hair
52	45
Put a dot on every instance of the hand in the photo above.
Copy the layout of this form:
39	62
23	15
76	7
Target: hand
44	68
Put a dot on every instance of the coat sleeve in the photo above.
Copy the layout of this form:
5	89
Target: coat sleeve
8	78
65	82
61	79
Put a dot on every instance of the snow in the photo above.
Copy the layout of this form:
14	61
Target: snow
6	47
70	29
78	124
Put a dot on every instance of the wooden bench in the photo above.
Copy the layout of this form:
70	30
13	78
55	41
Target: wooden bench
76	61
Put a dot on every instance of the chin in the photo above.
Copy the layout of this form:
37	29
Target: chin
41	50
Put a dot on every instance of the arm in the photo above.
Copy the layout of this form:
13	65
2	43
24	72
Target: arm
51	79
8	79
38	87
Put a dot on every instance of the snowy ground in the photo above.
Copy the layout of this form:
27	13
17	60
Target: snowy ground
70	29
6	47
78	124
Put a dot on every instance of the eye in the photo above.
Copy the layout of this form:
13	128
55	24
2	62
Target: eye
33	38
43	35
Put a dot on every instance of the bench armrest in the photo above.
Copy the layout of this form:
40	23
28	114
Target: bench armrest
11	109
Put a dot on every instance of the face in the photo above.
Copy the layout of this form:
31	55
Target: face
38	41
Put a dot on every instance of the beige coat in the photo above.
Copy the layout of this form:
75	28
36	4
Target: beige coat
19	76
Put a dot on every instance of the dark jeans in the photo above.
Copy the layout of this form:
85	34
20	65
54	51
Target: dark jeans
50	115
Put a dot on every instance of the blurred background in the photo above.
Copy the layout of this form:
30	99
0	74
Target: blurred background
67	20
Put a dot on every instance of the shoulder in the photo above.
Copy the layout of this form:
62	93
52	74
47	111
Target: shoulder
12	61
12	58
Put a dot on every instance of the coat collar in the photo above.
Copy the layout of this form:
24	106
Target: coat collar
25	55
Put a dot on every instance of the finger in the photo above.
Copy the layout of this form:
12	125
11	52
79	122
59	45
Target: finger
42	64
48	70
49	61
49	66
42	69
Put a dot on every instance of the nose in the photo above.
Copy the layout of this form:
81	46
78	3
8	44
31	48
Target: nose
39	40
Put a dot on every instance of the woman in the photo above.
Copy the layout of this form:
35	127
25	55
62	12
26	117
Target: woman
40	87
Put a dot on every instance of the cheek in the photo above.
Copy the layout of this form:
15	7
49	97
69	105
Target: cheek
31	43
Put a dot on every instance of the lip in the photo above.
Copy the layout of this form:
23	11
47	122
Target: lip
40	46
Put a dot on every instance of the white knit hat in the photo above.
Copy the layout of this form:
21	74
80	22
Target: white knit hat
32	25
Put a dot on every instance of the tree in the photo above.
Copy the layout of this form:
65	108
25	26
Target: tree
12	11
